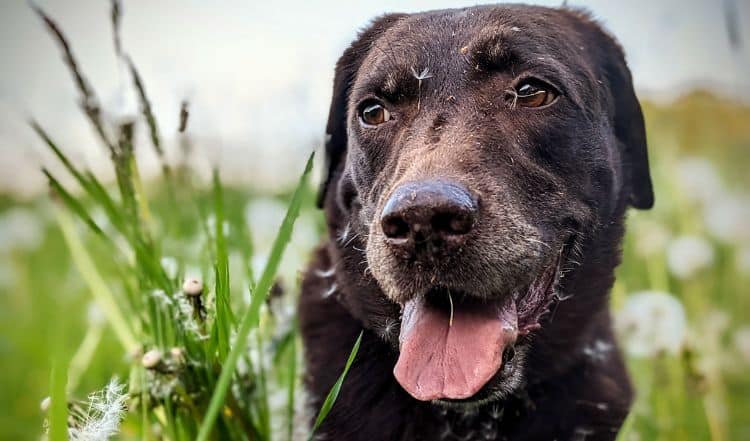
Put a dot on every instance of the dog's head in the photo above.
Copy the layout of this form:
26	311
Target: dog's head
470	152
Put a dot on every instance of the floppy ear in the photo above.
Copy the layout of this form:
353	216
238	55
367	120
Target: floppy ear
346	69
630	129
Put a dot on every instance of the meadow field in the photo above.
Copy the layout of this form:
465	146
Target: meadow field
175	297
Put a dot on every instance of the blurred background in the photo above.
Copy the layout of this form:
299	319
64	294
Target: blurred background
257	77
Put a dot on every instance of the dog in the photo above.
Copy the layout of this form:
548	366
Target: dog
480	162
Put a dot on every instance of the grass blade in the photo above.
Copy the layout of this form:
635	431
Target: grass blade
224	318
72	203
292	378
88	100
115	17
250	319
146	110
104	297
333	394
58	419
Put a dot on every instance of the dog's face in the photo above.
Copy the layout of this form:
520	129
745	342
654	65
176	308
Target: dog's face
471	152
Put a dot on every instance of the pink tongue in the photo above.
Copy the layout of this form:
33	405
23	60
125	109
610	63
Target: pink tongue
440	359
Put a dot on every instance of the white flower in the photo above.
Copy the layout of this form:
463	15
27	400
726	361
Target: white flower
727	218
101	420
698	179
742	342
686	255
650	323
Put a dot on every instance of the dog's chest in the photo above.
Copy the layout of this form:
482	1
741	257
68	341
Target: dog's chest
471	424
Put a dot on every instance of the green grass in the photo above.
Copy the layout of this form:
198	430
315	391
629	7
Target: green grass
230	364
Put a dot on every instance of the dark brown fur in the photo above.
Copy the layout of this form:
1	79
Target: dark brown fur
560	176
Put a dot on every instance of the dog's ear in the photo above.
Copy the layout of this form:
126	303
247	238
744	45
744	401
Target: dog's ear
346	69
629	127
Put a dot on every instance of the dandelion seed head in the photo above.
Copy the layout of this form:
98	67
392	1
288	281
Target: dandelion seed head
161	387
651	323
387	331
687	255
726	218
651	238
102	419
161	296
423	75
20	229
698	179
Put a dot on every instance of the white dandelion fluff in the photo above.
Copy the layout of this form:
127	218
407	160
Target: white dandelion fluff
151	359
698	179
102	419
651	238
169	264
687	255
20	229
727	218
651	323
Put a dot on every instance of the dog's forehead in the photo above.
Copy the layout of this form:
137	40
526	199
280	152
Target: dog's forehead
454	41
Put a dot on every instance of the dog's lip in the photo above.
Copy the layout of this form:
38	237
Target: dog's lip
532	299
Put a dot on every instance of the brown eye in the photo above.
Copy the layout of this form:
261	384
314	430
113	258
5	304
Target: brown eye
534	93
373	114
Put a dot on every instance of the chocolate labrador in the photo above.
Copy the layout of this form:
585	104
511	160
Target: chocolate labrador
479	165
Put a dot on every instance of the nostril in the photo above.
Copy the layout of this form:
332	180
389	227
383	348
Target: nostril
453	223
395	227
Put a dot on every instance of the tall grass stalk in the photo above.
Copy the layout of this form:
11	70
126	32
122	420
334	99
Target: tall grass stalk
250	319
103	296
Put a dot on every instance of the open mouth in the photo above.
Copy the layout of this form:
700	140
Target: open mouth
453	344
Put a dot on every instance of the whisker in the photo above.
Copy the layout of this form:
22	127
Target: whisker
345	233
351	239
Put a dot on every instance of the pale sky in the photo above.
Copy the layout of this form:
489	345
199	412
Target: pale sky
258	74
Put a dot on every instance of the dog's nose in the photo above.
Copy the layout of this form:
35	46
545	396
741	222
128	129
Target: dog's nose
428	215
